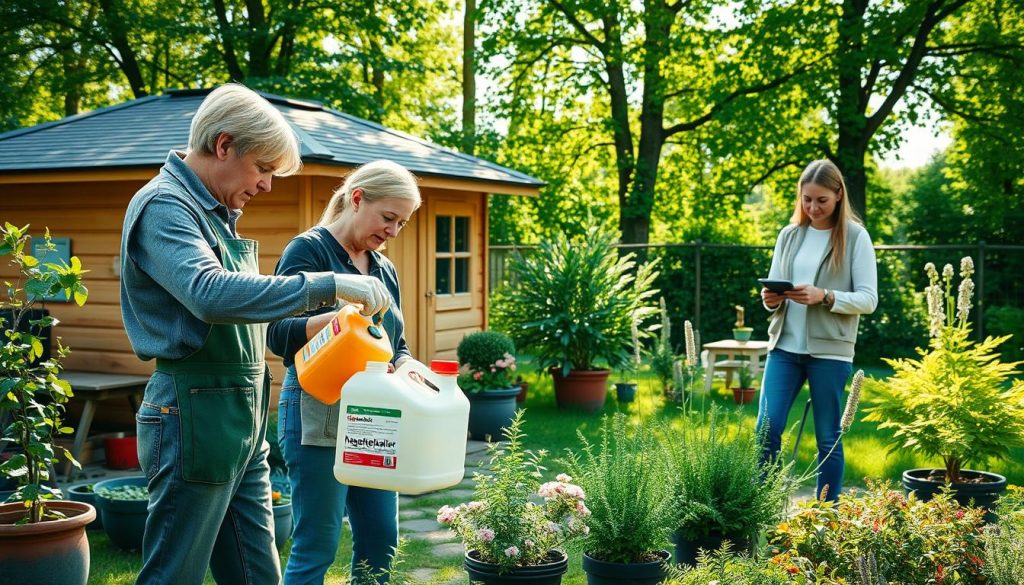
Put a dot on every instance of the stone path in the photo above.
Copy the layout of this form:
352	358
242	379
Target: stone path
418	515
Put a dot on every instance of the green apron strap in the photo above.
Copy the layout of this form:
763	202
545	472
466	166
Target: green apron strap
223	387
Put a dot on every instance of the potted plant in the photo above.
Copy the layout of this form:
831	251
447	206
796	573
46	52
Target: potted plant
507	535
956	401
625	388
42	538
744	393
623	477
739	331
487	362
720	490
571	304
662	355
123	504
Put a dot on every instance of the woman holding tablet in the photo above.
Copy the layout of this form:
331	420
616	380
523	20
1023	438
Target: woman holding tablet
827	254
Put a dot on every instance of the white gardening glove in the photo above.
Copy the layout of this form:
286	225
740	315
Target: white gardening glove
364	290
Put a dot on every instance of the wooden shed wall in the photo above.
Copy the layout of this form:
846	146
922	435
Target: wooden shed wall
91	213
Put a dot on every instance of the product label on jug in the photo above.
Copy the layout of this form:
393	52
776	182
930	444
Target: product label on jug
321	339
371	436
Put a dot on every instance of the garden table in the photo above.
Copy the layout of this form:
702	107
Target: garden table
93	387
730	349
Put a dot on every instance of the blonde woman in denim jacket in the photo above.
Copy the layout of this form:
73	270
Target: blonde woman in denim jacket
826	252
371	207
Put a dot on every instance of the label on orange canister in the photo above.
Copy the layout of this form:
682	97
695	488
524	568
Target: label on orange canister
320	340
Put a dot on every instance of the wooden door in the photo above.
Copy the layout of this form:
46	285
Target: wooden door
454	260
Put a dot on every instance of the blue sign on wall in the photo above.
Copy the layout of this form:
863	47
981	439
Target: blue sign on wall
60	253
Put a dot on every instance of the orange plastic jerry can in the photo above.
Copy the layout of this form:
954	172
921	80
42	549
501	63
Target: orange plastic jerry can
340	349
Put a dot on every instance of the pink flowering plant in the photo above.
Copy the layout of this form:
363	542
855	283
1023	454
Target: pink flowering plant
486	361
515	520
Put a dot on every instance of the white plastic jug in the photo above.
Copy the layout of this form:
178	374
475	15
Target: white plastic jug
397	433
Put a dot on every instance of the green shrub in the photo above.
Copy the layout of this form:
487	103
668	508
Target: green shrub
1004	541
957	401
717	482
624	478
722	567
573	301
480	349
488	361
31	393
905	540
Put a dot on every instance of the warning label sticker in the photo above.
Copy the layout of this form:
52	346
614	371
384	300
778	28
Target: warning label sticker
371	436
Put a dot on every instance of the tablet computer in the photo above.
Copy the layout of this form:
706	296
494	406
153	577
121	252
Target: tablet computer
776	286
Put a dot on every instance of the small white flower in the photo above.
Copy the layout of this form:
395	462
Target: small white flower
963	299
485	534
947	271
562	477
936	315
691	345
512	551
852	400
966	267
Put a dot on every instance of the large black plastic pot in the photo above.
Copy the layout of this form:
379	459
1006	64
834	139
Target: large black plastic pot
548	573
983	491
687	550
605	573
124	520
54	552
490	411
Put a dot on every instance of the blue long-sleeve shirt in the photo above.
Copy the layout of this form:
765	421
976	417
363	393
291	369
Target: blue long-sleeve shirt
317	250
173	286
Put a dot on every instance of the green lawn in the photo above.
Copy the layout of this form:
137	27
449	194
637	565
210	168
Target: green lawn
554	430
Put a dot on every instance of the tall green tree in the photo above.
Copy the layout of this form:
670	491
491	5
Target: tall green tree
662	69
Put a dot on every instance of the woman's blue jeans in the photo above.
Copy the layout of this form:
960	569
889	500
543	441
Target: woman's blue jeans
319	503
784	377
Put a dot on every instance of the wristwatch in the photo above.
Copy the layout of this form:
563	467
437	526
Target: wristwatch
824	299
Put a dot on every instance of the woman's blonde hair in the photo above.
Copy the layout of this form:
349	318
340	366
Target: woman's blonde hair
379	179
825	173
254	125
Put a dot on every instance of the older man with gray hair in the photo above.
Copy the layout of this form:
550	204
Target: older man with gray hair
192	299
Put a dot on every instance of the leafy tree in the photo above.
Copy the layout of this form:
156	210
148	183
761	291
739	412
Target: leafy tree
660	70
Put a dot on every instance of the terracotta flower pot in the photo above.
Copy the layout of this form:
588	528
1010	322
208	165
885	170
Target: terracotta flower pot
52	552
585	390
743	395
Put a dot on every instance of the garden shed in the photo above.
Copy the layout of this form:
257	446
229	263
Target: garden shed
76	176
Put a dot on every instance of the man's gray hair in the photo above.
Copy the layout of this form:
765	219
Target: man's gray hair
254	125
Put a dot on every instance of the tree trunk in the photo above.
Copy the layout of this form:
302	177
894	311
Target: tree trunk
852	104
227	39
126	60
469	78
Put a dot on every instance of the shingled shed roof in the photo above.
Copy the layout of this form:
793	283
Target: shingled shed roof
139	133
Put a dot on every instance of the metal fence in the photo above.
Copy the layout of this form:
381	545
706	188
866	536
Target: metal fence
704	281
